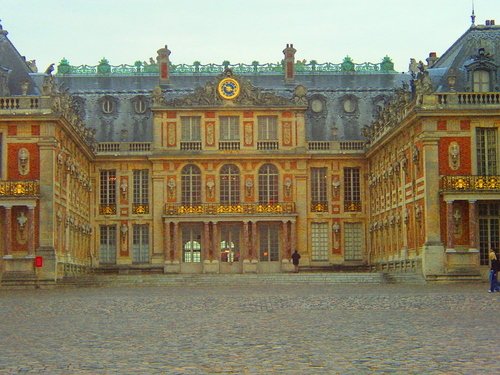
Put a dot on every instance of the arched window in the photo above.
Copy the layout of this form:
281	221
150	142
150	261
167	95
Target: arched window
481	81
191	185
268	184
229	184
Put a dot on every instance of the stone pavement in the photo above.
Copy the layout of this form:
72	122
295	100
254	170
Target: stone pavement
258	329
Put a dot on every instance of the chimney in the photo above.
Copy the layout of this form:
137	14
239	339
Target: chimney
431	60
289	53
163	65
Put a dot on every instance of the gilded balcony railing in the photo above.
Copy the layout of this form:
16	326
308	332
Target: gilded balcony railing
107	209
278	208
140	208
352	206
470	183
12	189
317	206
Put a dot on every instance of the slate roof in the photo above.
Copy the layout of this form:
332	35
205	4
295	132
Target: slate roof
11	60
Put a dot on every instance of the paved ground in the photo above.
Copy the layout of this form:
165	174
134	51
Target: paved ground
285	329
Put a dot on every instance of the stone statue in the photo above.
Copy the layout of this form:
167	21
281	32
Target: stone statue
157	96
49	69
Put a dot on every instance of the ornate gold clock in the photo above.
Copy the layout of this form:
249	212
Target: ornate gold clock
229	88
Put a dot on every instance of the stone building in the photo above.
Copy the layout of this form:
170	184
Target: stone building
158	167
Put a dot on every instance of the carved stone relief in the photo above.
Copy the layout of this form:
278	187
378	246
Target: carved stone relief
23	159
454	155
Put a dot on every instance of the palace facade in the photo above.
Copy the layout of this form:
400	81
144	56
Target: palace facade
158	167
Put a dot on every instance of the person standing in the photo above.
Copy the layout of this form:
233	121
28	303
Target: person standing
494	268
295	260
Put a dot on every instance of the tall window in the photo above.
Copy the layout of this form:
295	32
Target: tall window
140	243
190	128
486	145
489	229
268	184
191	185
191	244
229	128
107	244
229	184
269	242
352	192
268	128
108	187
318	186
141	186
481	80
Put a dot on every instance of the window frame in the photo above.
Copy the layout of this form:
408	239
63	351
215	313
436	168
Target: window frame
191	185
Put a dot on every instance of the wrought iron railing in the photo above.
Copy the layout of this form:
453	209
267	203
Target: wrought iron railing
12	189
279	208
470	183
151	68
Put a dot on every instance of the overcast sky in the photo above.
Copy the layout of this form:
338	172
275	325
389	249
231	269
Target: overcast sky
211	31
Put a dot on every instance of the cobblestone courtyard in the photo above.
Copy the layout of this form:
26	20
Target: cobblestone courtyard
263	329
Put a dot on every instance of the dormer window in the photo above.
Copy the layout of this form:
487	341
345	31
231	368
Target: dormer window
481	81
140	105
481	72
107	105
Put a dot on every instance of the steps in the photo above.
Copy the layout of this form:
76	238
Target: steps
223	279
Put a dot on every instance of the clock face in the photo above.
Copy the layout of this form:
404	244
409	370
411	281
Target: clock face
229	88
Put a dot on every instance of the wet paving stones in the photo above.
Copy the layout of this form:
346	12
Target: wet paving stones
254	329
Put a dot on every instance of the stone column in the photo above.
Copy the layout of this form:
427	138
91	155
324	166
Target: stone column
175	244
285	253
167	254
293	236
245	253
433	259
31	230
473	226
8	230
450	232
206	241
157	208
255	251
215	243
